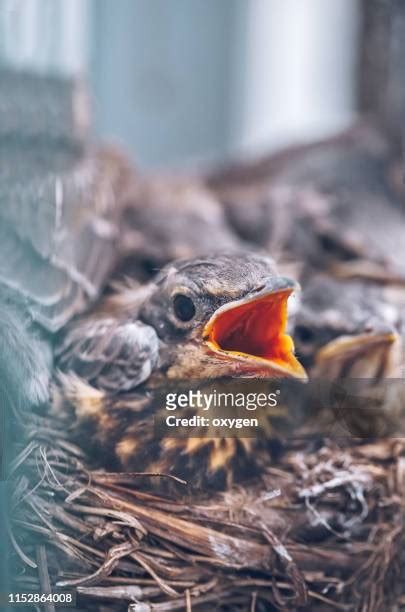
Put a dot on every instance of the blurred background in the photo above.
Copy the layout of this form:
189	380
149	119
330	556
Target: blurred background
191	81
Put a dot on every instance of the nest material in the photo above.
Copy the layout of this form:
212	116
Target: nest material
322	529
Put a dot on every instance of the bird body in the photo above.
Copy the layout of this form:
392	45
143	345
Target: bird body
201	320
331	206
171	218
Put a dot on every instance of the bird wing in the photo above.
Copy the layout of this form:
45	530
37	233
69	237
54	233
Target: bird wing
62	225
110	354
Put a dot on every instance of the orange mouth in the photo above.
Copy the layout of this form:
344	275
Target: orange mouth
252	331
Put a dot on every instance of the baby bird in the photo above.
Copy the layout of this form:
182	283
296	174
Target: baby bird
349	334
348	329
170	218
203	319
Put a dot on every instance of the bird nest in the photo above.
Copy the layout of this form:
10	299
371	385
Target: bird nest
323	529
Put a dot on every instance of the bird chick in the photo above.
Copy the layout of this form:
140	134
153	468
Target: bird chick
348	329
330	205
202	319
349	334
170	218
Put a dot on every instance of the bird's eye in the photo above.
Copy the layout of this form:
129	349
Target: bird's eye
184	308
304	334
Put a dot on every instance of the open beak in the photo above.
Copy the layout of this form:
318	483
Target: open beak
371	355
252	331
